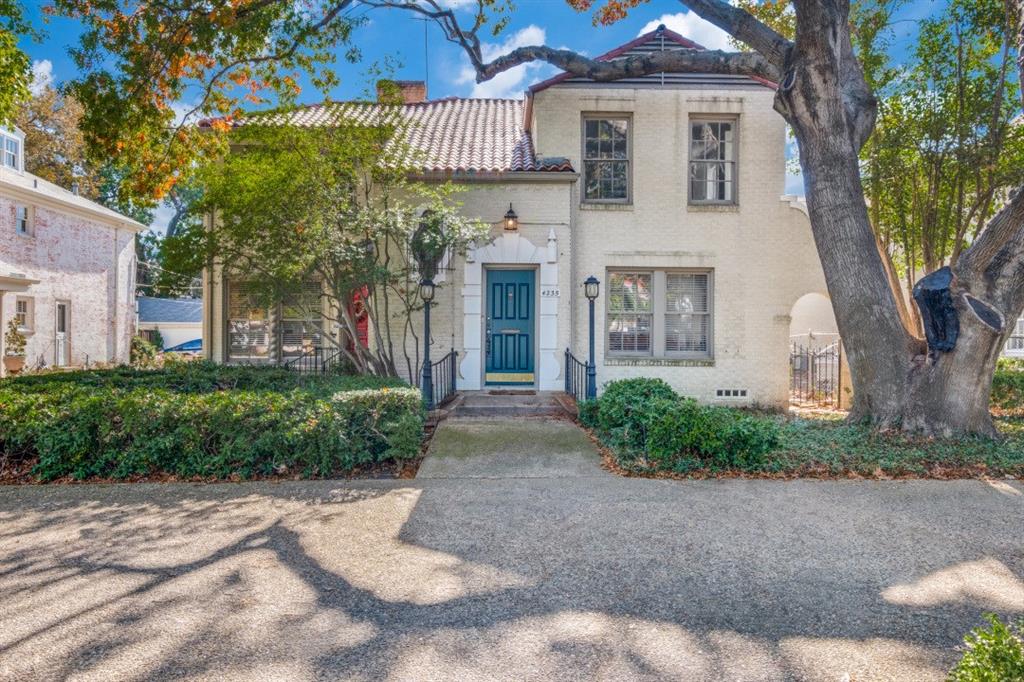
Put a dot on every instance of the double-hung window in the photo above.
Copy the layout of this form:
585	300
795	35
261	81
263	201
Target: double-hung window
23	313
606	157
23	220
301	320
12	152
712	161
660	313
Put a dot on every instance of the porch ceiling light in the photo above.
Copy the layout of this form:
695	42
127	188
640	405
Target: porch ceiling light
591	287
511	220
427	290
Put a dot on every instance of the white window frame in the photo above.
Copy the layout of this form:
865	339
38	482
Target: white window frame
1015	344
7	140
24	220
657	343
628	161
732	162
26	316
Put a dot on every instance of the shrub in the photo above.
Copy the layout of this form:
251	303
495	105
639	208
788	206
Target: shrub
1008	384
994	654
684	435
625	408
143	354
203	420
588	413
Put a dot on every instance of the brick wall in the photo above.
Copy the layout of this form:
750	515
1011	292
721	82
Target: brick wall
761	250
84	262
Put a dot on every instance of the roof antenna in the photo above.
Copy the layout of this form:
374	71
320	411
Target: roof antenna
426	55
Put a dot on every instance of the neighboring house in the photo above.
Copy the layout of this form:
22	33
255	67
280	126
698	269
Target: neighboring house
67	268
177	319
667	188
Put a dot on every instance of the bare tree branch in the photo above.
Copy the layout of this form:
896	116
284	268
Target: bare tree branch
746	28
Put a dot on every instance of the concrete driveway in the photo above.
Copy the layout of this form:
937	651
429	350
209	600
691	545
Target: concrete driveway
527	578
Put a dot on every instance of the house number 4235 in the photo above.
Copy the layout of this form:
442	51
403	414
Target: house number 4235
549	293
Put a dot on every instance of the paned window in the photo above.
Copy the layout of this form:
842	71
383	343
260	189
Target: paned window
712	162
660	313
606	159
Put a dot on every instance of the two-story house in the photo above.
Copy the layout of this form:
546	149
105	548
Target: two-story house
67	268
667	188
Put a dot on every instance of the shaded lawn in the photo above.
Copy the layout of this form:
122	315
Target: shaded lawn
826	445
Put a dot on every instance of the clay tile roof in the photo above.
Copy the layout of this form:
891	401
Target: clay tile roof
452	135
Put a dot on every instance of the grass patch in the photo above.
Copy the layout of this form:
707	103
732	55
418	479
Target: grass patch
203	421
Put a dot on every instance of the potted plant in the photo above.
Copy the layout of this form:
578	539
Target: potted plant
14	348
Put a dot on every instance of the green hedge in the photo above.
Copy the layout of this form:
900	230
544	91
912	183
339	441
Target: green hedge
648	425
204	420
1008	385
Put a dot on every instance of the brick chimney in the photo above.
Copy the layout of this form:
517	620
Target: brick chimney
410	92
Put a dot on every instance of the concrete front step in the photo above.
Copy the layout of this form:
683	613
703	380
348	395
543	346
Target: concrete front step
511	403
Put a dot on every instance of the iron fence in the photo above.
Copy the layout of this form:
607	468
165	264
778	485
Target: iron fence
444	373
815	376
316	360
575	377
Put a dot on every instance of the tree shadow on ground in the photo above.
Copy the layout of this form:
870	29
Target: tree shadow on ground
604	578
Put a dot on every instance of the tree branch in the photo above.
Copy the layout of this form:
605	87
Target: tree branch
746	28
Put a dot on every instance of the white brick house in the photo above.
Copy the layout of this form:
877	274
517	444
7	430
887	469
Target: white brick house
667	188
67	268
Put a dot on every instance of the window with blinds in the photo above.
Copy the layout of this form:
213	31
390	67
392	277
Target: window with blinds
712	162
606	159
248	324
660	313
301	321
629	312
686	313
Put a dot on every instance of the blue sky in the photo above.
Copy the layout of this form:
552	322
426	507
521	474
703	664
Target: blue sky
396	35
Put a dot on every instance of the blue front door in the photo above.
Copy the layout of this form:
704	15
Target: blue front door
510	326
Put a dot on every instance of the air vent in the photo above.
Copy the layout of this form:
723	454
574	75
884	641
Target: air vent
731	393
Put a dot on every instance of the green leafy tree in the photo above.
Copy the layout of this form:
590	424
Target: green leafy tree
333	204
15	65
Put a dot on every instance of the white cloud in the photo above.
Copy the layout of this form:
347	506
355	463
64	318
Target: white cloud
689	25
509	83
42	75
162	217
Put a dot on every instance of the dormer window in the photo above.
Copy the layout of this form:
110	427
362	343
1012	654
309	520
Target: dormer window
12	152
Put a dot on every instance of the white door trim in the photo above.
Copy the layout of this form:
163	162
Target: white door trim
506	250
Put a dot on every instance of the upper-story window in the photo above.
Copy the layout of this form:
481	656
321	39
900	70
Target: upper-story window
11	152
606	152
713	161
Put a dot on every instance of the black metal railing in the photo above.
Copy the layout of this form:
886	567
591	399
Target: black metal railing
815	375
316	360
443	372
575	377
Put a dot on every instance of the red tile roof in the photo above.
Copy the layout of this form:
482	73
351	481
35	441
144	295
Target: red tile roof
451	135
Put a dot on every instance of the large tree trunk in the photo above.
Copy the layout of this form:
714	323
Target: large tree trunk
898	381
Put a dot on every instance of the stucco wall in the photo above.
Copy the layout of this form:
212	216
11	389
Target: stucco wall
84	262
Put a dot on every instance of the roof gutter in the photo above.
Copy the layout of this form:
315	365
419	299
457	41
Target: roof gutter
496	176
36	197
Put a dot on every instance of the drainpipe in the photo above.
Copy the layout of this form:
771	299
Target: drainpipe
117	287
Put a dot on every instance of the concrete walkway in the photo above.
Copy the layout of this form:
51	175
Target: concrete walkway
526	578
510	448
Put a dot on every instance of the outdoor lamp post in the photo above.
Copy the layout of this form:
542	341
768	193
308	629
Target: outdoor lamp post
427	382
511	220
591	288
